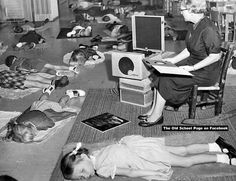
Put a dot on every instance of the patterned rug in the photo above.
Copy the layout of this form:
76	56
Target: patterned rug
14	93
106	100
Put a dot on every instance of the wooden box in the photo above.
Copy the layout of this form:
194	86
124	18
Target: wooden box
134	97
138	85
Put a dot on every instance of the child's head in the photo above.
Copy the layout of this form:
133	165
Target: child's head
22	133
77	58
77	164
10	60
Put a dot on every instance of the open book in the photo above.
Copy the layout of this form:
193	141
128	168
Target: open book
166	67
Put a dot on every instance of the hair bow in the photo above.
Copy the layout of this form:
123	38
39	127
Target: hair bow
78	146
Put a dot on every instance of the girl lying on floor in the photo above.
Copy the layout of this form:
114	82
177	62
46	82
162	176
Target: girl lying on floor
33	65
41	116
138	156
83	56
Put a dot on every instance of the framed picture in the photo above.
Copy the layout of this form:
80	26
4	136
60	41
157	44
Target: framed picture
105	121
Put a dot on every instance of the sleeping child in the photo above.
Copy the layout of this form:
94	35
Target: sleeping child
41	116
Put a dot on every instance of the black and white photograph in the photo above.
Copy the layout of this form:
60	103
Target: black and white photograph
118	90
105	122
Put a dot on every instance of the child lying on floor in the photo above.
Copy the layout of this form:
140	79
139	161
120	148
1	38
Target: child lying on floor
79	31
145	157
33	65
25	79
83	56
30	40
40	116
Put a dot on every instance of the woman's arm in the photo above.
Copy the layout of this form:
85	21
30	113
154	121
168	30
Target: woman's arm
181	56
134	172
212	58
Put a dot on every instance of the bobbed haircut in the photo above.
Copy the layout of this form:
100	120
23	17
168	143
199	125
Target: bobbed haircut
10	60
20	133
67	163
195	6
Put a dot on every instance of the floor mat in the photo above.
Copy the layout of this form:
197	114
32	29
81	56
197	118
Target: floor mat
106	100
64	31
16	93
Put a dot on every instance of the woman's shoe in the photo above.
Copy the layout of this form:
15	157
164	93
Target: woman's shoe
143	116
145	123
226	147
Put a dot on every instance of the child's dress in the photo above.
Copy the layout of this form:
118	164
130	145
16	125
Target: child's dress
135	152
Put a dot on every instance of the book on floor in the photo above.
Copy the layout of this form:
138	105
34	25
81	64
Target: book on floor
166	67
105	121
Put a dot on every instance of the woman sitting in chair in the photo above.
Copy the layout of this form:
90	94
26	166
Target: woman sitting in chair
202	55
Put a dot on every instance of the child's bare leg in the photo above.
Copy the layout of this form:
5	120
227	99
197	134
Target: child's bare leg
56	67
45	75
35	84
38	78
190	149
188	161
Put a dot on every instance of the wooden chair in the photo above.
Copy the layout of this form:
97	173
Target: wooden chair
214	93
215	16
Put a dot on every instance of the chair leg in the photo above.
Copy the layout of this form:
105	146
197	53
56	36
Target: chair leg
219	104
193	102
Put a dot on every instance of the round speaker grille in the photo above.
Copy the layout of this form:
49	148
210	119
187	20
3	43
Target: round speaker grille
233	63
125	64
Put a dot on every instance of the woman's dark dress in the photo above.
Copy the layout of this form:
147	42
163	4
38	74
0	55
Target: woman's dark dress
201	41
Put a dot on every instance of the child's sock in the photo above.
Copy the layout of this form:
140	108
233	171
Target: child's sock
74	69
224	158
214	147
49	89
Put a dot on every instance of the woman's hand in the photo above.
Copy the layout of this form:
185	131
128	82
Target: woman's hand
187	67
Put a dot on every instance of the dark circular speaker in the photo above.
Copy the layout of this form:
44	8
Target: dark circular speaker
126	64
233	63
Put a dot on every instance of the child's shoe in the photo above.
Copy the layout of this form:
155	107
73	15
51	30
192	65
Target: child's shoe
49	89
75	93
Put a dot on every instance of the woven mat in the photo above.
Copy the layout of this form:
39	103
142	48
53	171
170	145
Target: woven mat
107	100
16	93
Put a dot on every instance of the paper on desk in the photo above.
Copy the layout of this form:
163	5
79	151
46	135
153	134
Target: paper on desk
166	67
